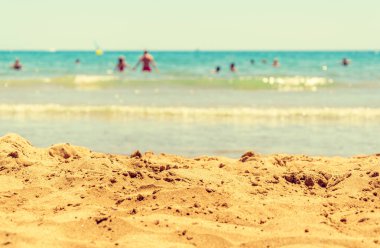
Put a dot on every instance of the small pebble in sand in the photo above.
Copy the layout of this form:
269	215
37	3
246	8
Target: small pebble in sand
140	197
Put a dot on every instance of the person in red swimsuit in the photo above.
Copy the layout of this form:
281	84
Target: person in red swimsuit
147	61
121	64
17	65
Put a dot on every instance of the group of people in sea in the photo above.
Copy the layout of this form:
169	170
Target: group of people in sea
147	61
276	63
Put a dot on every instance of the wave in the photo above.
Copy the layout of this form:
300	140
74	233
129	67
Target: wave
243	113
298	82
285	83
80	79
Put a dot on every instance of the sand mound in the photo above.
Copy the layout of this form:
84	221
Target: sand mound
67	151
69	196
13	145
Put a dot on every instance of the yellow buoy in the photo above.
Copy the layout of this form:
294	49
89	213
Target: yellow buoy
99	52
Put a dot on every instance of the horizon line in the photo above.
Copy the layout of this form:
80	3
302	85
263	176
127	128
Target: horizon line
51	50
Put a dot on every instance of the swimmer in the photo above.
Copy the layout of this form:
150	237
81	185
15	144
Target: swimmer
276	63
121	64
345	62
264	61
17	65
77	61
147	61
233	67
217	70
252	61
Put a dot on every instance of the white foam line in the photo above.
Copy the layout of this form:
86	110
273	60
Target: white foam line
263	113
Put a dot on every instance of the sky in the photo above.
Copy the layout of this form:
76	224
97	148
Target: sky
190	24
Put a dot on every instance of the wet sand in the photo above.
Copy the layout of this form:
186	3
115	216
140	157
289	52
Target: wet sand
69	196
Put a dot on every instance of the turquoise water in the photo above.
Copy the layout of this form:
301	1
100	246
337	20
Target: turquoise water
310	104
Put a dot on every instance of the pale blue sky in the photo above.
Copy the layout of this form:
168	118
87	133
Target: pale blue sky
190	24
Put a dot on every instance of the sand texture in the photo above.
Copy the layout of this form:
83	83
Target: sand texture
69	196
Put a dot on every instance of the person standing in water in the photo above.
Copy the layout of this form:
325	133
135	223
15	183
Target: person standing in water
276	63
147	61
217	70
345	62
121	64
233	67
17	65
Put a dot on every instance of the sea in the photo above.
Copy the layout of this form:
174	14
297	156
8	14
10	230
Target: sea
310	104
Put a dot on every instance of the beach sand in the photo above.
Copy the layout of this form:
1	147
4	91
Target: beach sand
69	196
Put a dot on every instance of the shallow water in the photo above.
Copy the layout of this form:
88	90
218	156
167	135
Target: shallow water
299	107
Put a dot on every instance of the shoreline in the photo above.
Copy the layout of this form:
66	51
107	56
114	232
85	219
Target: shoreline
69	196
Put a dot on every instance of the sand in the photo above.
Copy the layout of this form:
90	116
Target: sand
69	196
